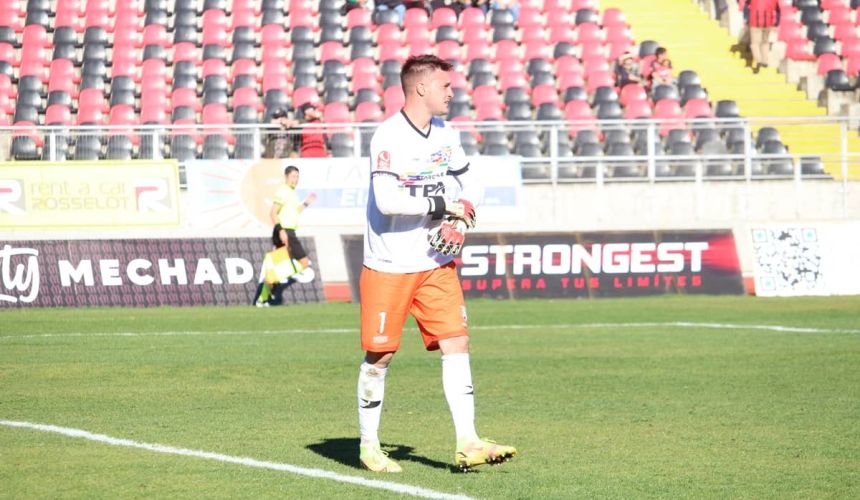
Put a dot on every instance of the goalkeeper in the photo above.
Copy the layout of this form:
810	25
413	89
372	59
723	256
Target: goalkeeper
289	259
420	202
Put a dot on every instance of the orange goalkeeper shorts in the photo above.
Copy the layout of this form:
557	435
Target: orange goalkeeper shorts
434	298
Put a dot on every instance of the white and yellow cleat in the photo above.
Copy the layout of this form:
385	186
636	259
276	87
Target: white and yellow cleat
479	452
376	460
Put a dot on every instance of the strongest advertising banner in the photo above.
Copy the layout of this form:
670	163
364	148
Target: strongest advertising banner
602	264
236	194
140	273
89	194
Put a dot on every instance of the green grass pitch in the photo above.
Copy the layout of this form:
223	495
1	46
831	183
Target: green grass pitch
622	398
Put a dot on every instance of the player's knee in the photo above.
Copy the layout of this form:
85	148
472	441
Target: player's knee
454	345
378	359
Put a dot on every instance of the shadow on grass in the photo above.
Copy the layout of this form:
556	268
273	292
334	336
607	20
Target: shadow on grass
345	451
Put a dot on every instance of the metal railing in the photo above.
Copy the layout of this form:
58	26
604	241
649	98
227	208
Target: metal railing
551	151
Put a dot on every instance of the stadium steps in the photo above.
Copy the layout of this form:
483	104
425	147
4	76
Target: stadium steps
696	42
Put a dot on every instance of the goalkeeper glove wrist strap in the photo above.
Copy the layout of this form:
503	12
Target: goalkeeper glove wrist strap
437	207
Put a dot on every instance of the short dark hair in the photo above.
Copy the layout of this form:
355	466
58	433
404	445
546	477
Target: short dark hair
660	51
279	113
291	168
417	65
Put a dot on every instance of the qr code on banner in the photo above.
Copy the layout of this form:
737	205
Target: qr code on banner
787	261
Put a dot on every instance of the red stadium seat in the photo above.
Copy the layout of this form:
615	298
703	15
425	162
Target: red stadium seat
475	34
598	79
156	34
123	115
247	96
368	111
487	95
305	19
302	6
488	112
594	64
27	129
852	66
583	4
333	51
91	100
478	50
389	33
449	50
562	33
589	33
8	54
365	66
443	17
273	35
632	92
58	114
185	97
567	63
358	17
581	114
537	51
507	50
416	17
12	20
244	67
418	48
799	50
637	109
472	17
336	112
186	51
827	62
392	51
790	29
613	17
62	75
698	108
244	19
68	14
154	69
851	47
35	35
459	81
543	94
393	99
533	35
213	67
365	81
304	95
275	80
513	80
571	79
529	18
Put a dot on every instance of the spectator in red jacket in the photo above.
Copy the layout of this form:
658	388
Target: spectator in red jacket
312	143
763	18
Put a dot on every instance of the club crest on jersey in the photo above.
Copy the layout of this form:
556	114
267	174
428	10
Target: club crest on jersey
383	160
442	157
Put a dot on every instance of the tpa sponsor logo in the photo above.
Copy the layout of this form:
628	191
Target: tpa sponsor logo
19	274
152	195
12	196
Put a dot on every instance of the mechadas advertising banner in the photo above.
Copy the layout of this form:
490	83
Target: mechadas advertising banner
140	273
600	264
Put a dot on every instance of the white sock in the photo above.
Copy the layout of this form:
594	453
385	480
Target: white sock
457	384
371	389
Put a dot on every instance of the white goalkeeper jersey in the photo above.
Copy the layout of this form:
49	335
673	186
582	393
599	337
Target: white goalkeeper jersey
408	166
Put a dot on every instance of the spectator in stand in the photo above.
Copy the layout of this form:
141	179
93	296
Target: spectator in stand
661	68
312	140
762	16
282	143
357	4
395	5
627	71
511	5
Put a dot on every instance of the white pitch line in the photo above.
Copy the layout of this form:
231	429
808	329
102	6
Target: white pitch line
404	489
563	326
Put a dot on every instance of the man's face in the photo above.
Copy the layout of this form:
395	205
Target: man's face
437	91
293	179
312	115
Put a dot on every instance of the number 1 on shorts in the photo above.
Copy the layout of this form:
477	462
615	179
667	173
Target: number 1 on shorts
381	322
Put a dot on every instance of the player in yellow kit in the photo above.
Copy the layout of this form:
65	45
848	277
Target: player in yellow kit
421	200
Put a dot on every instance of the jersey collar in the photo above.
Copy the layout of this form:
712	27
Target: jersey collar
422	134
